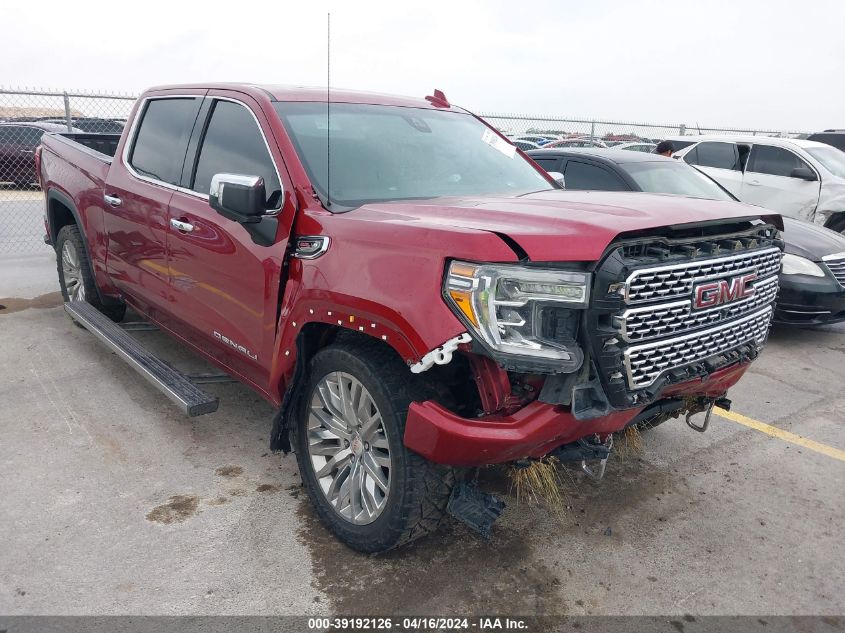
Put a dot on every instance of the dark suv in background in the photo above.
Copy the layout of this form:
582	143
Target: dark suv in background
18	141
831	137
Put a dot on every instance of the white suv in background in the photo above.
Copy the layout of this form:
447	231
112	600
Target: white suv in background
802	179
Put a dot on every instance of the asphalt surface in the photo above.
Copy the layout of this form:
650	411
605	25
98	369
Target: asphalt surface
111	502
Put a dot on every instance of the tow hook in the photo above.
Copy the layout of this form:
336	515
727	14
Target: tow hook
585	450
707	413
598	473
705	407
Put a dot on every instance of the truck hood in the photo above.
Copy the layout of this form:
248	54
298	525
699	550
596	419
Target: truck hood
559	225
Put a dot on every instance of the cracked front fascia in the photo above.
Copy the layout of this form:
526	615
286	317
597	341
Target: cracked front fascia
440	355
831	202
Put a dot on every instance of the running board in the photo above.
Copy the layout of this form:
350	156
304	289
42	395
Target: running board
173	383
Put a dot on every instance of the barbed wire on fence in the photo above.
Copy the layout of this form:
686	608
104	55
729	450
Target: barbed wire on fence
28	113
516	125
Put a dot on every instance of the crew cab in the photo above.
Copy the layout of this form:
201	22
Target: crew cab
414	295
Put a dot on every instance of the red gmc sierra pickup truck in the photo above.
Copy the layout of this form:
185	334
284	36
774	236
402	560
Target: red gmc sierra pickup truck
415	296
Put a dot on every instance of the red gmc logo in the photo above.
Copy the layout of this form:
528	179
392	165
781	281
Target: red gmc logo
716	293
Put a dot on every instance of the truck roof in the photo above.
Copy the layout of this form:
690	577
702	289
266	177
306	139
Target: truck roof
306	93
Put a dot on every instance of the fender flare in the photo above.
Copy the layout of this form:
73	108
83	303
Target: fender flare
65	200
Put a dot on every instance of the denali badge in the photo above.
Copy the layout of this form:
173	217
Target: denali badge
237	346
716	293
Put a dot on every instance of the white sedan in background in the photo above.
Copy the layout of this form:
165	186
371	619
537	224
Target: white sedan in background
802	179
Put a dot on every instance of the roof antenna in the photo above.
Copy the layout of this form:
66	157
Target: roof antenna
328	109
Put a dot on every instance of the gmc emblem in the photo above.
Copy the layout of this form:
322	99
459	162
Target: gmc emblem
715	293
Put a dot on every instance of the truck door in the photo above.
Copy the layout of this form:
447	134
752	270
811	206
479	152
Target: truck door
769	182
137	193
225	287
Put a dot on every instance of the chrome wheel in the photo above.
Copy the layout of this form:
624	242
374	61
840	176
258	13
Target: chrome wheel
348	448
72	272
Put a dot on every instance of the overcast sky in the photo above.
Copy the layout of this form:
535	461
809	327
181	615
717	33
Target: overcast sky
765	64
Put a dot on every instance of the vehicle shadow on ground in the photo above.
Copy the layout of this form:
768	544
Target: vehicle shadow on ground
454	571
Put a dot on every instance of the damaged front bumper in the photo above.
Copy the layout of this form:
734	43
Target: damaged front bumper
444	437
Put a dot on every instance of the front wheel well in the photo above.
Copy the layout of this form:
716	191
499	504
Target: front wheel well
450	385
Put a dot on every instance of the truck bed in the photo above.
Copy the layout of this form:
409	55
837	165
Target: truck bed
105	144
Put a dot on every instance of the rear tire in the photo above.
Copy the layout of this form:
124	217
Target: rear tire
76	279
366	486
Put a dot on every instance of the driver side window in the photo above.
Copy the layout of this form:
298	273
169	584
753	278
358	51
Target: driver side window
233	144
774	161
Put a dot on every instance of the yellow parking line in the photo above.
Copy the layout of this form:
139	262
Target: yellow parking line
786	436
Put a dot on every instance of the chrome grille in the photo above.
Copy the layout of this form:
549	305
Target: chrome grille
653	321
676	280
645	363
836	265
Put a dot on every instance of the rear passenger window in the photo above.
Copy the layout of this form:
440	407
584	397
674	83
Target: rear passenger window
691	157
548	164
592	177
775	161
719	155
234	144
162	139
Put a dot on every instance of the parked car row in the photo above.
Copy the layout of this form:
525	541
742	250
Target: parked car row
20	137
812	280
17	150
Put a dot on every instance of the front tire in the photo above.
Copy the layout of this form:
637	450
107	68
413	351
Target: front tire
366	486
76	279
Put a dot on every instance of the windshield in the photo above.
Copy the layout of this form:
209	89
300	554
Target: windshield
832	159
675	178
381	153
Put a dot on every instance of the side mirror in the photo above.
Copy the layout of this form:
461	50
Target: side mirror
237	197
804	173
558	178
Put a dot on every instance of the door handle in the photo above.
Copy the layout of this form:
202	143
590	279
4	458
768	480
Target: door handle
181	226
112	200
754	183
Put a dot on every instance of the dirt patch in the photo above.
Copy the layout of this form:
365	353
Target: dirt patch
217	501
177	509
268	488
230	471
9	305
449	572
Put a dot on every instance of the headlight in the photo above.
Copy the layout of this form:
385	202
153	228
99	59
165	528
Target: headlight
795	265
519	311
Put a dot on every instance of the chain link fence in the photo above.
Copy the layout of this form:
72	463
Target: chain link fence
530	132
26	115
